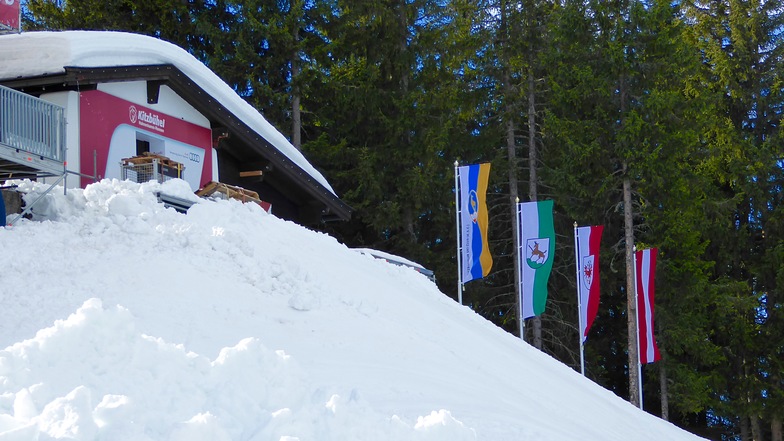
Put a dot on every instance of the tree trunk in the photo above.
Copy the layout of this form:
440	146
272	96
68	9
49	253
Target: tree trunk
665	401
775	430
631	301
296	116
533	178
408	224
756	428
745	431
511	154
513	199
409	216
753	419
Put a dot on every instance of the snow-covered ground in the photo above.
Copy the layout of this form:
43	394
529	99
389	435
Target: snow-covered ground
125	320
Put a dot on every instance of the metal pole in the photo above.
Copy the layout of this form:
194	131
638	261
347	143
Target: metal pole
637	321
64	149
579	298
457	219
520	260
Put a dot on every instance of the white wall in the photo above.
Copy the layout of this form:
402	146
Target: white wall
168	102
70	101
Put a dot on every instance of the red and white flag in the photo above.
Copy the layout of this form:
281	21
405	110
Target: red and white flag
9	16
645	267
588	243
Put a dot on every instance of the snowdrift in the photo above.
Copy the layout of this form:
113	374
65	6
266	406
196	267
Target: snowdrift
125	320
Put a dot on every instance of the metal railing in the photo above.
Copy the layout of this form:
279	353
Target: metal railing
32	125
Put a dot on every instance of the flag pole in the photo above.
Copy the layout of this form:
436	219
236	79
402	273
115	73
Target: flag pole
579	299
457	220
520	260
637	321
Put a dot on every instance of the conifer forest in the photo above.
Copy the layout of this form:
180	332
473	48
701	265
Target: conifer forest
676	105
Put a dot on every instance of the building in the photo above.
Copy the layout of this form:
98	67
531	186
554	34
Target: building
124	94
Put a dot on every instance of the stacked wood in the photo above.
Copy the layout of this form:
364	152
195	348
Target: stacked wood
227	191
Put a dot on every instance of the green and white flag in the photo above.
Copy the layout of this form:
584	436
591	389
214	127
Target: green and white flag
536	242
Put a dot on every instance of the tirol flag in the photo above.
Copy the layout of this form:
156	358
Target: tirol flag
588	242
9	16
476	258
535	252
645	267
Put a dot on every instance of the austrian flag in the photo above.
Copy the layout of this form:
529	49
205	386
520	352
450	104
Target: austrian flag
588	242
645	269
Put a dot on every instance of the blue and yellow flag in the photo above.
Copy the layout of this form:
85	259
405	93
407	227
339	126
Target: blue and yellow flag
476	259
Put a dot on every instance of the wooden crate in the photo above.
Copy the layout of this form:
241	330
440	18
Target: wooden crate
149	167
147	157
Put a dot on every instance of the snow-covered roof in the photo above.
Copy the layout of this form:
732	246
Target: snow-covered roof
32	54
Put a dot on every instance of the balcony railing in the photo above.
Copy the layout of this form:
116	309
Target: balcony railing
33	128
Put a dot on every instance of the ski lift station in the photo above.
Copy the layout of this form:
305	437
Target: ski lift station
76	105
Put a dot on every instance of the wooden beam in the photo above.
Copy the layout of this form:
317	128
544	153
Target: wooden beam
251	174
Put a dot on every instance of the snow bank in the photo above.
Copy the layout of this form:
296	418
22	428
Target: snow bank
125	320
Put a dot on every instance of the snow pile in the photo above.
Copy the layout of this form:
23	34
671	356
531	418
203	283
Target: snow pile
95	375
125	320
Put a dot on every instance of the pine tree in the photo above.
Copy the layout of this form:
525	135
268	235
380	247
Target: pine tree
390	116
171	20
661	140
741	44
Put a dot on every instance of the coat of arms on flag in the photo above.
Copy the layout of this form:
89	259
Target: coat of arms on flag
473	206
536	253
587	270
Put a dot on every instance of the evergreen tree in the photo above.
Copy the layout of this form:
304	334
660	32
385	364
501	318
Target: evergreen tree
392	117
682	101
662	142
171	20
741	45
